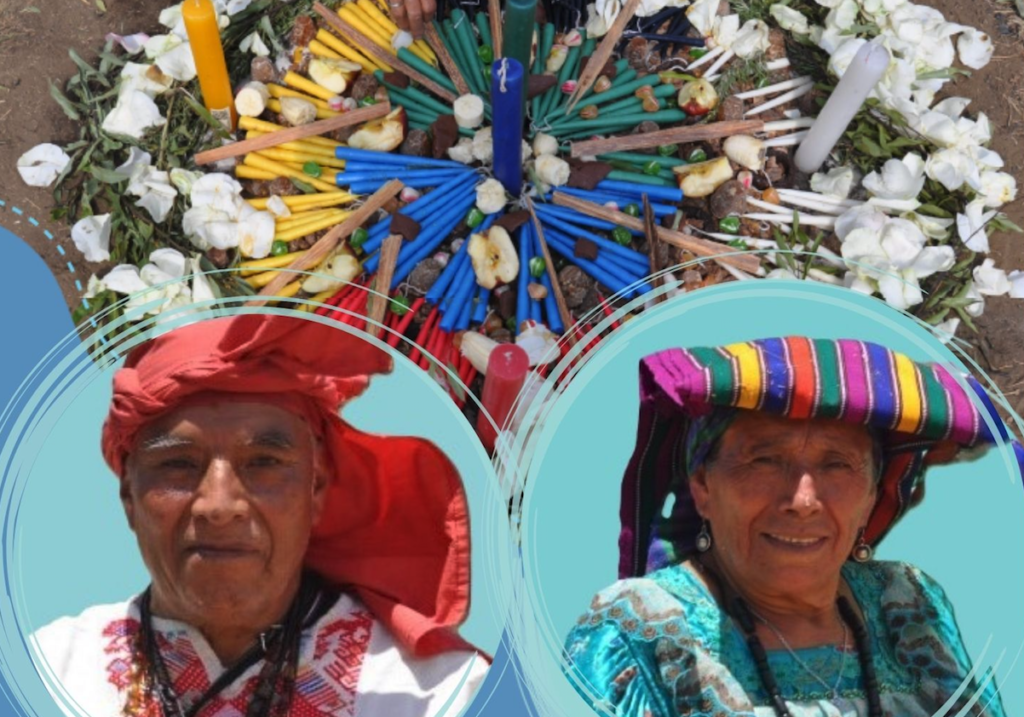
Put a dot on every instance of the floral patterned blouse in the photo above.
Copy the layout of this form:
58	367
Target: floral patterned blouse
660	646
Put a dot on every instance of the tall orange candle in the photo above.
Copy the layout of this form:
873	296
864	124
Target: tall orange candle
204	36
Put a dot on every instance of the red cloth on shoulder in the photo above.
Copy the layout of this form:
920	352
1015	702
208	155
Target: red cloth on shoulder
395	526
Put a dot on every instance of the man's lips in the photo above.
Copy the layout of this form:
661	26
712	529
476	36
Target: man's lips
221	551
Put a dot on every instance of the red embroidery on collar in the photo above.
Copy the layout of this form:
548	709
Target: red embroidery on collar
325	687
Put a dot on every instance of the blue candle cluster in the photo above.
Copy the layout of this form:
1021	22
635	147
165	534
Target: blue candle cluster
366	170
454	289
526	306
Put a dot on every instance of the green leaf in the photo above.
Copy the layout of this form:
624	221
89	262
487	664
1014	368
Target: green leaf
64	102
108	176
303	187
101	6
933	211
207	117
87	70
1002	223
32	9
868	146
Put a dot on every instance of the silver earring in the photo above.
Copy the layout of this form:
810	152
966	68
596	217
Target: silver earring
704	538
862	552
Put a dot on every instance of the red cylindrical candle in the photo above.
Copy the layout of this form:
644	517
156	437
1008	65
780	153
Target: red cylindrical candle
506	373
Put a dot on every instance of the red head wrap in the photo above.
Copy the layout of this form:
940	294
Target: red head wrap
395	525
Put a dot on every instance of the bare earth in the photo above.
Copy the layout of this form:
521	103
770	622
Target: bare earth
34	36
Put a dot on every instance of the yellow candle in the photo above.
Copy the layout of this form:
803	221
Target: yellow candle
204	36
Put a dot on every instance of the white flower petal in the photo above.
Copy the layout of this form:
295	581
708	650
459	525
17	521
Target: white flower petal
183	180
202	288
1016	284
132	44
931	227
998	188
947	329
952	169
41	165
900	291
975	48
148	79
178	63
752	39
844	55
255	232
862	217
218	191
134	113
540	344
933	259
978	307
170	261
990	281
125	279
971	226
837	183
789	19
234	7
898	179
902	242
92	237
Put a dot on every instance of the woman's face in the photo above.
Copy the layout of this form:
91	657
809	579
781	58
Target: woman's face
786	500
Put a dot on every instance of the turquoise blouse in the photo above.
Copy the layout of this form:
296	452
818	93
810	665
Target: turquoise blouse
659	646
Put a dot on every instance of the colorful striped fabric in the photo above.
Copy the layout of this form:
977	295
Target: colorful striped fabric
853	381
924	412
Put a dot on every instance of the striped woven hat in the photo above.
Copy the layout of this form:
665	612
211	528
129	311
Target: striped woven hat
927	417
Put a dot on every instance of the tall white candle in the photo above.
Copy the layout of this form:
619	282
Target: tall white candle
867	68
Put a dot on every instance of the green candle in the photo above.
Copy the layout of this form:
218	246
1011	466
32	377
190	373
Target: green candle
426	68
518	30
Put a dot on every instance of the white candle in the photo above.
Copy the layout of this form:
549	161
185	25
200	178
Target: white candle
867	68
781	99
787	140
808	220
777	87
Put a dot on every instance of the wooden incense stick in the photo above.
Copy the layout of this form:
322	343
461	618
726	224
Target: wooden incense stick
676	135
292	134
379	298
329	241
692	244
651	234
603	53
438	46
556	286
494	15
369	47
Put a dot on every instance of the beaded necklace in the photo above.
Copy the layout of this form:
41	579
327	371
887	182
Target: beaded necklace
278	648
743	614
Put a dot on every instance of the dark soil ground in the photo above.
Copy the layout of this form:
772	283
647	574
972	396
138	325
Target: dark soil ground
35	34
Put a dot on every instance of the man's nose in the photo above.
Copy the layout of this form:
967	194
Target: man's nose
220	497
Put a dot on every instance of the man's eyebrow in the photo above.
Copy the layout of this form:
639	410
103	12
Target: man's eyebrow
271	439
164	441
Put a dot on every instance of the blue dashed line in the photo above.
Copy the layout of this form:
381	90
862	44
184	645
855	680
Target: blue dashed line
49	235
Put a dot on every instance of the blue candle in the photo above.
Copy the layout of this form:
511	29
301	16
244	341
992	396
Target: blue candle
632	189
628	256
347	177
454	268
522	298
612	275
419	209
580	219
530	237
482	298
551	306
373	157
507	95
430	238
460	299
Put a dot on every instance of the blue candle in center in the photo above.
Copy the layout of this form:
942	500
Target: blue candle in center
507	98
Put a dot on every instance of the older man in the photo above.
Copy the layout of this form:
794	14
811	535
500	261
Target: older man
298	566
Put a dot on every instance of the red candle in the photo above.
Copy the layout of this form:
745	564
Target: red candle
506	373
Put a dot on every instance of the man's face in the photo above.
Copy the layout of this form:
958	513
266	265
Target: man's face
222	498
786	499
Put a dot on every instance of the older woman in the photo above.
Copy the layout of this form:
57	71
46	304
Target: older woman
780	464
298	565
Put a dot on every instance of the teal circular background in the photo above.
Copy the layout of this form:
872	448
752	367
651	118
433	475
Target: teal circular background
968	534
68	545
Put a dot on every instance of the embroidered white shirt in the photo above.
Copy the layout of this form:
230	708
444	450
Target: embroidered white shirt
349	666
